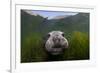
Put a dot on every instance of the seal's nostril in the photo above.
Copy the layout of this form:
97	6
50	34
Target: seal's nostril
58	39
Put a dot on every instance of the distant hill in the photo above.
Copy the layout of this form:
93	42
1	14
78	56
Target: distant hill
79	22
31	24
60	17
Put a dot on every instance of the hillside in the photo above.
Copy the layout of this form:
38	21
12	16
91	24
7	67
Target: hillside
29	22
37	24
79	22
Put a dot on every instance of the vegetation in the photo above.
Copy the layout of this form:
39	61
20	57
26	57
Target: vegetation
33	28
78	47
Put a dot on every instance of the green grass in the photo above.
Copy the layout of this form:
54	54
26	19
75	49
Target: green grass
78	47
32	48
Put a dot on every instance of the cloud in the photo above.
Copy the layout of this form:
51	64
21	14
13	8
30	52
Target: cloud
50	14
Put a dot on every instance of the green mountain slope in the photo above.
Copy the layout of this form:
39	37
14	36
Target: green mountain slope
29	23
37	24
79	22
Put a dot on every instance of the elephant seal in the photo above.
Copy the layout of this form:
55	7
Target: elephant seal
56	42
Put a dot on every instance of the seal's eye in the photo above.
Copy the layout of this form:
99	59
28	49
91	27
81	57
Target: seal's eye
48	35
62	34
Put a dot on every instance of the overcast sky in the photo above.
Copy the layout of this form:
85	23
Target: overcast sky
51	14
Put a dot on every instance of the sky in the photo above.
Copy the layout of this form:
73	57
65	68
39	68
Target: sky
50	14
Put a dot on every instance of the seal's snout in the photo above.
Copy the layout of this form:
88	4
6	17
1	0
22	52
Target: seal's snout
56	40
57	43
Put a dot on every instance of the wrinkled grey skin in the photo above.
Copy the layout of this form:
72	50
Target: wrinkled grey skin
56	42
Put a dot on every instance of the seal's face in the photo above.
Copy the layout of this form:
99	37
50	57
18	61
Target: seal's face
56	42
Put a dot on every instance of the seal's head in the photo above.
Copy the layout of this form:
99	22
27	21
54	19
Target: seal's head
56	42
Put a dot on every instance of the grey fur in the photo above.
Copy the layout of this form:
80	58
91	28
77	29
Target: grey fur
56	42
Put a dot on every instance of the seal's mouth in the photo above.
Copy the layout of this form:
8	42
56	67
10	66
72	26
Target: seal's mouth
56	50
55	53
57	46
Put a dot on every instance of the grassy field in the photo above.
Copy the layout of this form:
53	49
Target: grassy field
34	28
32	48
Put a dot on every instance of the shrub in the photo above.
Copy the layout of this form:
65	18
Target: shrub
32	49
78	47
